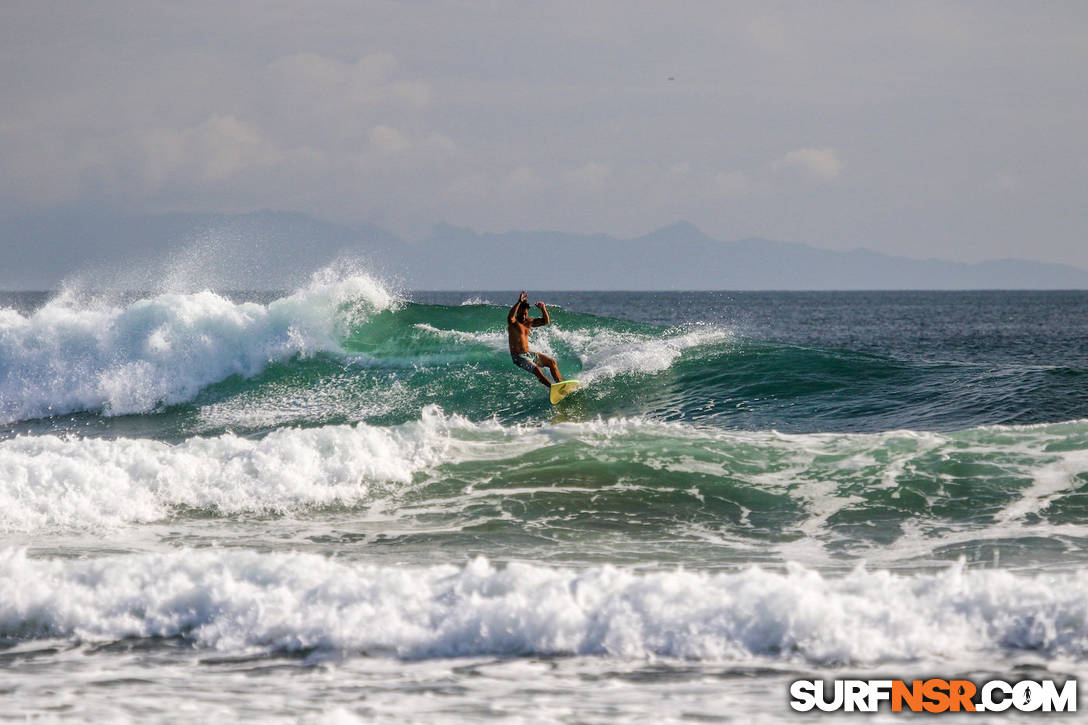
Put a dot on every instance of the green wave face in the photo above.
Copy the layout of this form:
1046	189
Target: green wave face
383	364
398	360
674	492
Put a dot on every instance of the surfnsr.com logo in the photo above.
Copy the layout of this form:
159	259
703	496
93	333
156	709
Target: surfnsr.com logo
933	695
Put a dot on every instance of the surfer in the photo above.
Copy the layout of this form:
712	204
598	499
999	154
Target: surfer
518	324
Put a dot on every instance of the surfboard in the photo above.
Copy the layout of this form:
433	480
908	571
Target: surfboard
558	391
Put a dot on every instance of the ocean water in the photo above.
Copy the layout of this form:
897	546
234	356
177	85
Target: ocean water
345	504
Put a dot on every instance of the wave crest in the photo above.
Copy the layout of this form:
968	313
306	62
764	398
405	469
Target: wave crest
71	356
49	482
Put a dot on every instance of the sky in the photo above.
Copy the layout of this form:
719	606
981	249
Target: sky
947	129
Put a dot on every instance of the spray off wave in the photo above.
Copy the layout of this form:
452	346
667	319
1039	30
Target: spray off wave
71	356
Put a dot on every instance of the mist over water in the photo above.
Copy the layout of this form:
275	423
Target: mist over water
351	478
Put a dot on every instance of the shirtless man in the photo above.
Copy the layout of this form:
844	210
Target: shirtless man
518	324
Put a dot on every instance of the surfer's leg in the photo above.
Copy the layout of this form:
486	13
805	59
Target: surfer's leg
525	361
540	375
549	363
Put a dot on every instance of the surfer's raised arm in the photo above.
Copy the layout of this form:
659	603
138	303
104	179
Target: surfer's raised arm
513	314
541	321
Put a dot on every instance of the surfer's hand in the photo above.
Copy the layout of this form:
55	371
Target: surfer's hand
540	306
524	296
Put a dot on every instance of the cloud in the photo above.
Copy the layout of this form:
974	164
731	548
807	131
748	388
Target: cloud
322	81
730	183
470	186
523	177
822	164
345	113
439	144
313	98
590	177
172	135
214	150
389	140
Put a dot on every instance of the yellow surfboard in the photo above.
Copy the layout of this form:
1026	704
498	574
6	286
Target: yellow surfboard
558	391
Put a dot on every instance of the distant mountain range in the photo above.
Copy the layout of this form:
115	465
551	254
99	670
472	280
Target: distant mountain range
277	250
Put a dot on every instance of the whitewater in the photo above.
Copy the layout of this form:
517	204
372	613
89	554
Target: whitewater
344	503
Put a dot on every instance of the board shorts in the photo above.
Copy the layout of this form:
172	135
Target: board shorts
526	360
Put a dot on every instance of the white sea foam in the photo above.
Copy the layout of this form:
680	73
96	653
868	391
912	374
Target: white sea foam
239	600
605	353
53	483
71	355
